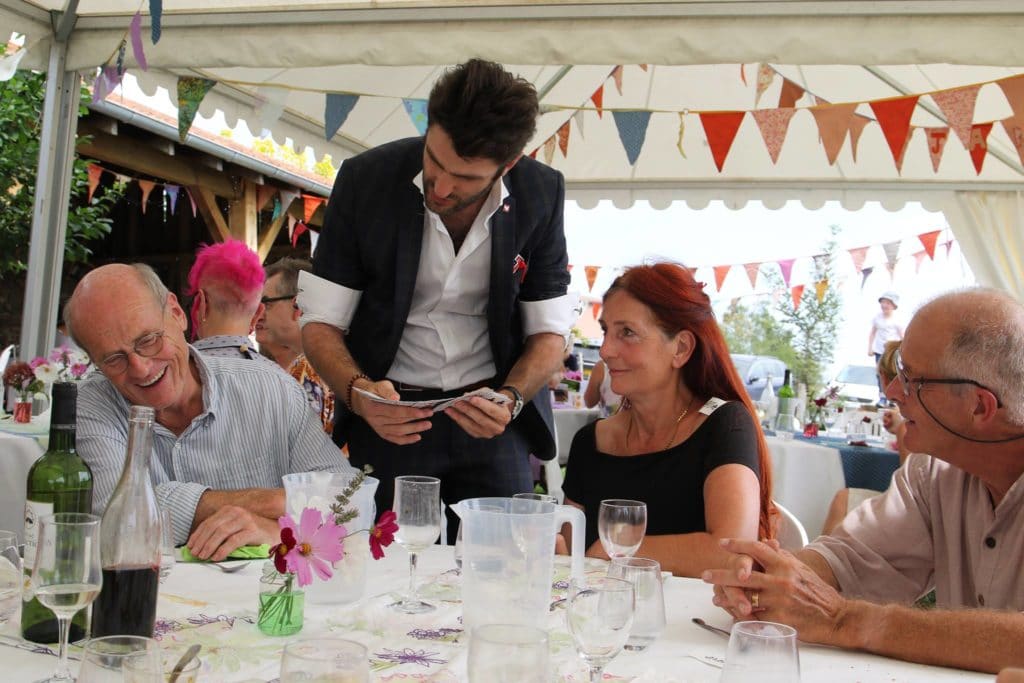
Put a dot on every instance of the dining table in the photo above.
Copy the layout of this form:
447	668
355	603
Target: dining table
200	604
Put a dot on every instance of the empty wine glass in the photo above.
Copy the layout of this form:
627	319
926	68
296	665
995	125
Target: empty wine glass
325	659
109	660
649	615
507	653
167	549
11	579
599	614
66	575
418	514
761	650
621	524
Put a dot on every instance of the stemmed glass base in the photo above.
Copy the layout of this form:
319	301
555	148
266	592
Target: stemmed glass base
412	605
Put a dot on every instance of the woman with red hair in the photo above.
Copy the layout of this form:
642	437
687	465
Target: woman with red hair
686	441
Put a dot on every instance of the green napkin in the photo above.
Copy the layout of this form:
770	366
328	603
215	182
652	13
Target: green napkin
246	552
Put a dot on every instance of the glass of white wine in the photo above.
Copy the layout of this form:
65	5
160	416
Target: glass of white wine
621	525
11	578
325	659
599	615
66	575
418	513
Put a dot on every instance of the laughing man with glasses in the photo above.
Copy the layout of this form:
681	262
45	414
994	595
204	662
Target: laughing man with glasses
952	521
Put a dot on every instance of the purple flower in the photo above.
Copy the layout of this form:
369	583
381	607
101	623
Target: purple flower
79	369
409	656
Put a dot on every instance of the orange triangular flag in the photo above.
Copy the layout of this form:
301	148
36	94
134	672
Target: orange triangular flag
833	122
957	106
894	118
146	186
309	206
533	154
95	171
264	193
798	293
563	138
1014	127
617	77
979	144
591	275
752	270
595	308
928	239
936	139
791	92
720	273
597	98
903	152
820	289
643	66
1013	88
857	123
773	124
720	129
858	254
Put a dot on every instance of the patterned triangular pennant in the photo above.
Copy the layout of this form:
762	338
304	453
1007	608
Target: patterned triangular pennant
957	106
765	76
191	91
549	149
632	127
156	13
773	124
563	138
417	111
936	139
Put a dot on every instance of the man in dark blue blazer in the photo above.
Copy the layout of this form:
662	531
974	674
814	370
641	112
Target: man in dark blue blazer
442	268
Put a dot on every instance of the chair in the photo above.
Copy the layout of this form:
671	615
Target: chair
553	479
5	356
6	396
791	533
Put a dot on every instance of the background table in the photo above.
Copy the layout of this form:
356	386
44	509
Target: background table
568	421
202	605
20	446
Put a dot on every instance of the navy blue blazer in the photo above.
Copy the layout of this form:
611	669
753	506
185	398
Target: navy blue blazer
371	241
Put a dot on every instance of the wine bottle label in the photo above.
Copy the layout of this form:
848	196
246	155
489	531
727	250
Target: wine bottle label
34	511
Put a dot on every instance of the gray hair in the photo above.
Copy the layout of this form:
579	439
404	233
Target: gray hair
986	344
288	268
149	278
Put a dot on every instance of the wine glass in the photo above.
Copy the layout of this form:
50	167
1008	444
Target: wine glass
167	550
621	524
325	659
649	616
109	660
418	511
761	650
599	615
66	575
11	578
507	653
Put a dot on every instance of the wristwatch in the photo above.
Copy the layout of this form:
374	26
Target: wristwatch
517	399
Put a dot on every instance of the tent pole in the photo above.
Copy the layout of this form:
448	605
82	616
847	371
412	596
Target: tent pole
53	190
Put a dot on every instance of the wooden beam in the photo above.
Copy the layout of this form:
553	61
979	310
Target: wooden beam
269	235
242	218
206	203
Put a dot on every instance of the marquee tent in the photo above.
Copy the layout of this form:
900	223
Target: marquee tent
660	101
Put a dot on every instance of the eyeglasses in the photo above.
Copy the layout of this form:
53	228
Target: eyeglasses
905	381
271	299
146	346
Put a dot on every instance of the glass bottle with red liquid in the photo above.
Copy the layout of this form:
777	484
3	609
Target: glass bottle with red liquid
130	541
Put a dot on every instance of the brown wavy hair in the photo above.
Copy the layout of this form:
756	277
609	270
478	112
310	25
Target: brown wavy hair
679	303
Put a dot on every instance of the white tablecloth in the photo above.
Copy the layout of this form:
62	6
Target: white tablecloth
568	421
805	477
17	453
201	604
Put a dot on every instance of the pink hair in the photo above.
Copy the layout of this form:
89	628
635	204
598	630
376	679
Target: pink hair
230	267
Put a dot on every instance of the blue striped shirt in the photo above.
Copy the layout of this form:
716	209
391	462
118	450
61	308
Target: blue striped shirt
255	427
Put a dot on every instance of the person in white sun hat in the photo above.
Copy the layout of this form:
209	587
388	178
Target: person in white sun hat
885	327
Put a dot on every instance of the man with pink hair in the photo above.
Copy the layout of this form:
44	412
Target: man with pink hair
226	283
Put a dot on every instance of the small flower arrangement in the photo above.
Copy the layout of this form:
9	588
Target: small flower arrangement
820	408
312	547
62	364
22	378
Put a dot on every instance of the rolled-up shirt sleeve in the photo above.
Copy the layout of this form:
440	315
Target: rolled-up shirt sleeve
180	499
323	301
554	316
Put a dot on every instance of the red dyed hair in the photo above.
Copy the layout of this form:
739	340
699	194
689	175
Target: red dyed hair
231	271
678	303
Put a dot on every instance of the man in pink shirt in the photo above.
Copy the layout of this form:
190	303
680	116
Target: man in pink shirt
952	522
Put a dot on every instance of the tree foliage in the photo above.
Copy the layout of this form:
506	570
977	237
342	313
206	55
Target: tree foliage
21	114
755	330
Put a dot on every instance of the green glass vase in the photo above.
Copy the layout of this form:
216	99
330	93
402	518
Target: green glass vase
282	604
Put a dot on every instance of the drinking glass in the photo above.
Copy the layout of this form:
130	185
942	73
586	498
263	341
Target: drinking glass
762	651
599	615
536	496
621	524
11	579
325	659
418	510
66	576
507	653
167	550
106	660
160	669
649	616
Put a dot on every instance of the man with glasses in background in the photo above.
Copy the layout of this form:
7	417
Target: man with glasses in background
952	520
226	429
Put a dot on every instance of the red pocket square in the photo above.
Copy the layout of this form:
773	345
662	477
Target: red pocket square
519	267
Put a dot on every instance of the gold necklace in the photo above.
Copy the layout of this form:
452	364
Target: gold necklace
675	427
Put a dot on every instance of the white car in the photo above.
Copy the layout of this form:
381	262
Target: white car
857	383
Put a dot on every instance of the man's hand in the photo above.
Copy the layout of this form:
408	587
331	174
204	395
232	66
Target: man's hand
786	591
480	418
398	424
228	529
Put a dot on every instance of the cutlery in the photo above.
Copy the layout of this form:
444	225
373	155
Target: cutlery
714	629
183	662
227	567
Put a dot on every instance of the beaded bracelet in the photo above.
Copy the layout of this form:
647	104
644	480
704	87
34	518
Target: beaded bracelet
351	383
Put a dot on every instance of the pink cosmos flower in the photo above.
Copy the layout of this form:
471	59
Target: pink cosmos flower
79	369
317	545
36	362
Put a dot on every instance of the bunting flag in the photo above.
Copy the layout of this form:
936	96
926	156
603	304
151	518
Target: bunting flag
549	150
595	309
903	151
894	118
146	186
276	213
94	171
264	193
632	127
578	119
833	123
790	94
135	34
864	274
291	227
949	247
936	139
269	106
820	289
156	13
752	270
617	77
857	123
928	240
337	107
720	129
597	98
591	276
121	51
979	144
858	255
820	262
563	138
299	228
786	266
569	267
720	274
1013	89
314	237
1014	127
892	250
743	73
191	91
682	131
310	204
765	76
287	197
773	124
107	79
9	64
172	196
192	200
918	257
417	111
533	154
798	294
957	106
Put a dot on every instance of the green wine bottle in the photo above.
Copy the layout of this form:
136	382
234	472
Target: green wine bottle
59	481
786	390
